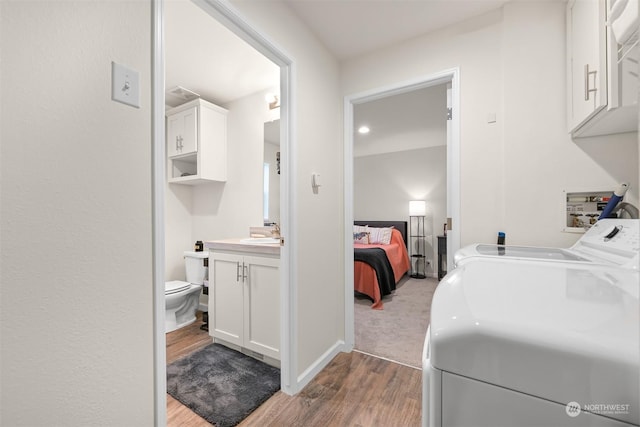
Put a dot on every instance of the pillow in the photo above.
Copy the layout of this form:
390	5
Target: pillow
360	228
361	237
380	236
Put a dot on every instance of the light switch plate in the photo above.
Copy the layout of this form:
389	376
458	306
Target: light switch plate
125	85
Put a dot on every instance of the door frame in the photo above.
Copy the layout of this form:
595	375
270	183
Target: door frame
451	76
226	15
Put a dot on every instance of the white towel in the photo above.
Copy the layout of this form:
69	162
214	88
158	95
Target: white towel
623	20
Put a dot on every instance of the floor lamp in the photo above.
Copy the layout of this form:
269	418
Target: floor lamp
417	211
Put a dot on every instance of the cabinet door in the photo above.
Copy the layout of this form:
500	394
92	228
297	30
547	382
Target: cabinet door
182	132
226	294
262	306
587	61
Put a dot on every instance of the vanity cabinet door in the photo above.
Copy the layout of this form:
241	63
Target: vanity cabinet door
244	301
226	297
182	132
262	305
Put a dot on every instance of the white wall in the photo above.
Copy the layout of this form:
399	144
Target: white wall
318	232
474	47
236	205
541	160
76	317
178	203
385	183
511	63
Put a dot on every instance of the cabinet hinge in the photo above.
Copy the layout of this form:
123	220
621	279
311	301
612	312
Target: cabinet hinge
449	113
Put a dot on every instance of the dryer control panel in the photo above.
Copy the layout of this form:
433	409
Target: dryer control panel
613	240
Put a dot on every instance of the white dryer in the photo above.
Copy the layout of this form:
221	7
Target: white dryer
609	241
527	341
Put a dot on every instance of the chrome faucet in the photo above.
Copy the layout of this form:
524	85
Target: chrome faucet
275	230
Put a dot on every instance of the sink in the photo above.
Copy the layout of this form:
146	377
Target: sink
261	241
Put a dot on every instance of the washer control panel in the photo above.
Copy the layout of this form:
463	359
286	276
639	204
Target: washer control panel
613	239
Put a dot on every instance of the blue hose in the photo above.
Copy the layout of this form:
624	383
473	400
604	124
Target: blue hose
613	201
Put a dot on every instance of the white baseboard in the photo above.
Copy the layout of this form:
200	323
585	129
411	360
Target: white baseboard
203	307
319	365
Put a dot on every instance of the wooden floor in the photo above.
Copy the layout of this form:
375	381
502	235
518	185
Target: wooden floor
355	389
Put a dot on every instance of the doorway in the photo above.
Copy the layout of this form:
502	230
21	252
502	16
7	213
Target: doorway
223	14
448	77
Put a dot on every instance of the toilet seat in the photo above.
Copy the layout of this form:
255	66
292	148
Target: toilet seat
175	286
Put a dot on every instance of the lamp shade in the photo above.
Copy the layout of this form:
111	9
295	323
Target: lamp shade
417	208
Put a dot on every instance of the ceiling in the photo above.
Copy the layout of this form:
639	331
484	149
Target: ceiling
203	56
349	28
405	121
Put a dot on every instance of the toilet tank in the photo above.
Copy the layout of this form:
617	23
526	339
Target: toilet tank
194	266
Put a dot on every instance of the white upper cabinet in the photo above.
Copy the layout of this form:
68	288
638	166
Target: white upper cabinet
182	132
600	77
196	143
588	76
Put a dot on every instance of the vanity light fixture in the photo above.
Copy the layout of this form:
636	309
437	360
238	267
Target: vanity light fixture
364	130
272	100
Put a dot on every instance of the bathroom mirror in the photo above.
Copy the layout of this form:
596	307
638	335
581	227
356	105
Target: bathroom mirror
271	173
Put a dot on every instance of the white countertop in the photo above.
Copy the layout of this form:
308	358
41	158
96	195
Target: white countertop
237	245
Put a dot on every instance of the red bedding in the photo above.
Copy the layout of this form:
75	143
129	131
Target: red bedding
365	279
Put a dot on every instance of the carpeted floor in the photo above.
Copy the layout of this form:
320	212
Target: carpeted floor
221	385
397	332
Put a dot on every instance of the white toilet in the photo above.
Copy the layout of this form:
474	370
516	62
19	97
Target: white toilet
182	298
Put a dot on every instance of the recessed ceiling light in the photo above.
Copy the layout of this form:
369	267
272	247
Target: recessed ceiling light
363	130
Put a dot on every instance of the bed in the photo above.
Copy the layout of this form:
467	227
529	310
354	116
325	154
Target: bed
379	267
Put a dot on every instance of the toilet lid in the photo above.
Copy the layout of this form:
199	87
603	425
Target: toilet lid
175	286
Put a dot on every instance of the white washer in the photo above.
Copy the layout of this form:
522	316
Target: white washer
531	342
621	249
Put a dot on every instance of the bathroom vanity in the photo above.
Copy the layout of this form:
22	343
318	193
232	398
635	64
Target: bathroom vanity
244	296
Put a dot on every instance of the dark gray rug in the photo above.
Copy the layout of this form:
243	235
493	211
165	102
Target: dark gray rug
221	385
